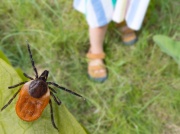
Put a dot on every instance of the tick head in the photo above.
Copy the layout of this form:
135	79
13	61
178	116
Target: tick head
44	75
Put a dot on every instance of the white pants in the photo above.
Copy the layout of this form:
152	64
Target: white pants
100	12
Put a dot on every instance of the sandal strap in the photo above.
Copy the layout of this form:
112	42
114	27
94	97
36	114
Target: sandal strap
95	56
93	71
126	30
97	67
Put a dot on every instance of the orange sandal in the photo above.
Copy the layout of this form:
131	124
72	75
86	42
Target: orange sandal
98	71
128	36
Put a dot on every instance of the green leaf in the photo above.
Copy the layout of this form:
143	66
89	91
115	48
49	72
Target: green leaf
18	70
10	123
169	46
21	75
3	56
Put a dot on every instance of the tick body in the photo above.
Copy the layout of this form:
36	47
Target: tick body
29	108
35	95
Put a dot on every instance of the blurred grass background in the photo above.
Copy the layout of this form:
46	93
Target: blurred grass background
142	93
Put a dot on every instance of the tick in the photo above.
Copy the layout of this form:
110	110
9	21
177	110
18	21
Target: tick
34	95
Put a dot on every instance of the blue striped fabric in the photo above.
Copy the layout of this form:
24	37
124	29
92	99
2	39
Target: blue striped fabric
100	12
97	12
135	13
133	10
77	2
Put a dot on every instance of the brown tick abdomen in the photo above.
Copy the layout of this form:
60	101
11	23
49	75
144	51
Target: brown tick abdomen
29	108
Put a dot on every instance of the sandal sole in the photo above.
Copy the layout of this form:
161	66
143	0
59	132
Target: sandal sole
100	80
130	42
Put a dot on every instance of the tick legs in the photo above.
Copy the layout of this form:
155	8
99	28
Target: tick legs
32	61
52	116
55	99
28	76
63	88
9	102
17	85
52	89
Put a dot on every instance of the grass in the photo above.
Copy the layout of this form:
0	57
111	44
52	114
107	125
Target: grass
142	93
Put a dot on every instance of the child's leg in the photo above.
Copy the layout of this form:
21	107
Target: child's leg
96	68
96	36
